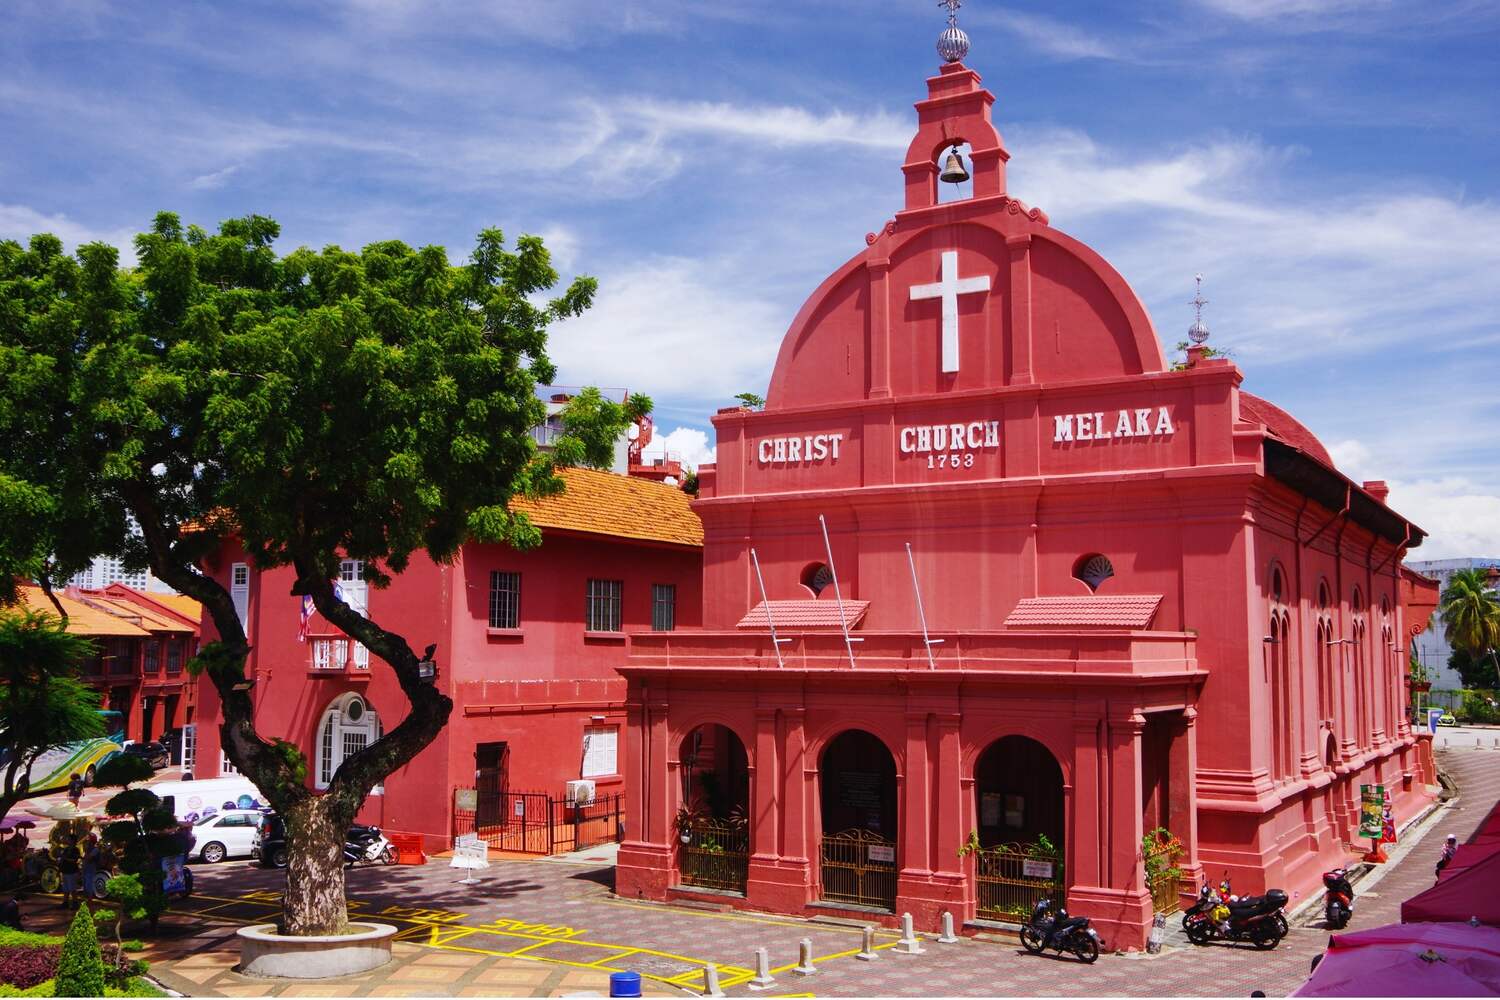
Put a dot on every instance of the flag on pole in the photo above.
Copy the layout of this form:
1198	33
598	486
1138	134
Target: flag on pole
307	612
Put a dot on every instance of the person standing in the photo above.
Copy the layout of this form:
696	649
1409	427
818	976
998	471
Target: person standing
75	788
1449	850
92	859
68	859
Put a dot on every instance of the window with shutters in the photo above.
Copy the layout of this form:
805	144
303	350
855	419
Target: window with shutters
348	726
239	591
603	611
663	607
601	751
505	600
356	592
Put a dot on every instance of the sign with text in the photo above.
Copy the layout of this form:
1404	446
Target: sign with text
1371	811
466	799
882	852
470	852
1036	869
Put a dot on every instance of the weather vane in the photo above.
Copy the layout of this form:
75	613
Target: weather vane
1198	332
952	44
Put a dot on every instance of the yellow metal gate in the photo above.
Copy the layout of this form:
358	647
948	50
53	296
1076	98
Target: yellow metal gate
859	867
715	853
1011	878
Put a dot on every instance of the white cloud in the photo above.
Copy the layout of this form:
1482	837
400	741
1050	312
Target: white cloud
1461	517
777	125
687	444
1052	36
20	223
1273	10
690	329
213	181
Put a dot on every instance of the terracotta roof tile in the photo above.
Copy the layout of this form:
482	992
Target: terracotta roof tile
804	614
1125	611
604	503
137	615
180	603
82	619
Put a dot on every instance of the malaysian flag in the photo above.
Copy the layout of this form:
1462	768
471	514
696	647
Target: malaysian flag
307	613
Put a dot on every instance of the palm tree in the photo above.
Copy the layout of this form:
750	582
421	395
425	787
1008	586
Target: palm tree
1471	612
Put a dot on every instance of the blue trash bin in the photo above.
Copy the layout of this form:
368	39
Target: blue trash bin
624	984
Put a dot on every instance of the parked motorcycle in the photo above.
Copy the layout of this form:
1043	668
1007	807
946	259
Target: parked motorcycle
367	844
1060	932
1338	901
1220	914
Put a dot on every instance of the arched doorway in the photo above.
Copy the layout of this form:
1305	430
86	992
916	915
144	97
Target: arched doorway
857	789
348	725
713	824
1018	793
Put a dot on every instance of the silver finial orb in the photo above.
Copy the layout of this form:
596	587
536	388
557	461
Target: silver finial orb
1198	332
953	44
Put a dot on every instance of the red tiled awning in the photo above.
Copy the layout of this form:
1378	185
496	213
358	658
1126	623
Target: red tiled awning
804	614
1125	611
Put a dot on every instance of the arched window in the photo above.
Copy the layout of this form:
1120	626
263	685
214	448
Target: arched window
349	724
1327	654
815	577
1358	659
1093	570
1283	726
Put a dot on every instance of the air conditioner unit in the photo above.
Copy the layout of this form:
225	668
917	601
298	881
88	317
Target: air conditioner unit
581	793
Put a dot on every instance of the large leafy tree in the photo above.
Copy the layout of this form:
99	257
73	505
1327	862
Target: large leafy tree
43	704
315	406
1470	612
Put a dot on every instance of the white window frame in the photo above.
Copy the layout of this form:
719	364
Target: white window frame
239	591
356	590
601	752
334	734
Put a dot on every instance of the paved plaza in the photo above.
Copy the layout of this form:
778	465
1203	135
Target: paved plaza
552	927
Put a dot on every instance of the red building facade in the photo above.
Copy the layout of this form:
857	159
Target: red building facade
1088	598
527	645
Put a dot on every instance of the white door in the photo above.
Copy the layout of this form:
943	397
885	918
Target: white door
189	747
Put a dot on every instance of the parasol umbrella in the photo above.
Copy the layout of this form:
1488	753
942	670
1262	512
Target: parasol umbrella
1423	959
63	811
10	823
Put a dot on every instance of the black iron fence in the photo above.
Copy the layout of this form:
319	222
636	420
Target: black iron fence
538	822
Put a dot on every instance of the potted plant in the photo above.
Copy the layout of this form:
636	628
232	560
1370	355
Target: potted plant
1417	676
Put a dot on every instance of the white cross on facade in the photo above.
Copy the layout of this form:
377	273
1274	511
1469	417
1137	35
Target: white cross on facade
949	289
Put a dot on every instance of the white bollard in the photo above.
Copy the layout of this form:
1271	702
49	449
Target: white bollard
866	952
947	937
711	987
762	980
909	944
804	966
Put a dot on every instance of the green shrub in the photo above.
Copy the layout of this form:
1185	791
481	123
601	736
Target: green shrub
1476	707
80	969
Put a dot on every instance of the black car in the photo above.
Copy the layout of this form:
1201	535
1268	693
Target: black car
152	752
269	845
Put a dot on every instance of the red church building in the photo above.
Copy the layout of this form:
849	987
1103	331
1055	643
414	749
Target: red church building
1067	597
527	645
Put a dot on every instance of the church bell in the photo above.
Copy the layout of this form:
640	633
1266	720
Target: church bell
953	168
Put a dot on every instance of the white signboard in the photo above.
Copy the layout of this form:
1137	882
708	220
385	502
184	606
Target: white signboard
1036	869
882	852
470	852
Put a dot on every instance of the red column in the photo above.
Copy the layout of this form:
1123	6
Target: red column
645	866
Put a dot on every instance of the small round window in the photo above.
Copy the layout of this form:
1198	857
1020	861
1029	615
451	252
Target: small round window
1093	570
815	577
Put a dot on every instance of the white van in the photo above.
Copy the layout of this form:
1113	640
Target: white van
191	800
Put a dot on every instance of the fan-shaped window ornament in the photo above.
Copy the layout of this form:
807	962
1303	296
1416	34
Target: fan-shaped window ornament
1094	570
816	577
1276	586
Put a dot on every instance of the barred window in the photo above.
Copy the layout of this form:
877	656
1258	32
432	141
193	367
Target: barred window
174	657
663	607
505	600
604	605
153	656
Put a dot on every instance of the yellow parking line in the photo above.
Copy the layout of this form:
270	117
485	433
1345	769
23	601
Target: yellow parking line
745	918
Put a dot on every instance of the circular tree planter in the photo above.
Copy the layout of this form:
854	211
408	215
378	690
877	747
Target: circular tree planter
264	952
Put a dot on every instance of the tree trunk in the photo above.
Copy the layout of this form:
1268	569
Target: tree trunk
314	901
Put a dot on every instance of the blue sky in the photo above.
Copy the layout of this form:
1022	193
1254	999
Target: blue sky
1329	165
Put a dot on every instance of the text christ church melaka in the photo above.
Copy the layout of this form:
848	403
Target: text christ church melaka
1089	599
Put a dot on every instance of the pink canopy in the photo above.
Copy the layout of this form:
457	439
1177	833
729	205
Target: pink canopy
1430	960
1484	845
1470	893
